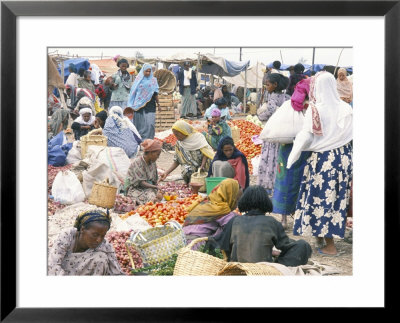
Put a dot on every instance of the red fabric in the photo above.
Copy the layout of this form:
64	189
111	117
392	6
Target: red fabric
240	171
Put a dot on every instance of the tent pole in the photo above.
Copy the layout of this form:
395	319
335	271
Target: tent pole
245	90
198	66
257	84
313	57
62	71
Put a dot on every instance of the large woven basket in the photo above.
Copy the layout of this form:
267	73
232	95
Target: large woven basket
196	263
199	177
103	194
248	269
93	138
158	244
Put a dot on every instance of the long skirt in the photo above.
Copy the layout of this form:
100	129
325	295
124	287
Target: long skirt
267	166
189	105
145	123
142	195
324	194
287	181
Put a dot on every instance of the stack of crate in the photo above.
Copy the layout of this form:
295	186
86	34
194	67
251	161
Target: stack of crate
166	117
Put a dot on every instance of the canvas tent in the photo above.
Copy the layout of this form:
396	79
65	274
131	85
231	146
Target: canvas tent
54	77
254	77
78	62
220	66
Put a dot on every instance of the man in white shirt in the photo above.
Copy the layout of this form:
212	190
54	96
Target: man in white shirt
187	87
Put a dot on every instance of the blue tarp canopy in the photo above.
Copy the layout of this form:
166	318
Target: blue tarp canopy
316	68
78	62
220	66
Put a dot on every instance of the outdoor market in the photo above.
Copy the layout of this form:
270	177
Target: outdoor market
196	165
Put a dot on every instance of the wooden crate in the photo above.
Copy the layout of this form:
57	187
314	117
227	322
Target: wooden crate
165	119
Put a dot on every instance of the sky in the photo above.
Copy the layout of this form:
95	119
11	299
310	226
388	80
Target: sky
290	56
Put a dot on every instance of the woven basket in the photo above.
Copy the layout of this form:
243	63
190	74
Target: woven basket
103	195
196	263
158	244
93	138
235	134
248	269
199	177
252	109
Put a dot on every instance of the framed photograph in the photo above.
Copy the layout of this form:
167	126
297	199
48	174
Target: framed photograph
30	28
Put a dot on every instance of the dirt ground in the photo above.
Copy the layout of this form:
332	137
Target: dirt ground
343	262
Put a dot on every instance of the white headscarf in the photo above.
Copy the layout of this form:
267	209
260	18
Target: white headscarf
335	117
80	118
117	114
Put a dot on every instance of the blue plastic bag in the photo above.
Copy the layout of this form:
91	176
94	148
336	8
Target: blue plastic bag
56	156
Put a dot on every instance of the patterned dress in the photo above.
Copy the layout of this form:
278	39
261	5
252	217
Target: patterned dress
190	161
62	261
141	171
216	133
324	194
269	150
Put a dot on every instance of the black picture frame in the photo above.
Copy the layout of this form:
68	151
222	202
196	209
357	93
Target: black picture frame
10	10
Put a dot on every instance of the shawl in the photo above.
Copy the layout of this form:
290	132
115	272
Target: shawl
300	93
142	89
121	121
125	79
345	87
329	115
236	153
221	201
194	140
80	118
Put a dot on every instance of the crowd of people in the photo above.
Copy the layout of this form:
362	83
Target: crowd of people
309	179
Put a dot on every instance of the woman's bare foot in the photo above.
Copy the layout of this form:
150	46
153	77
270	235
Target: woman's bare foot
330	248
319	241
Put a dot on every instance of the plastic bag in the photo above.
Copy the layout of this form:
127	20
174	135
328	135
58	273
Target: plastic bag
57	150
74	155
255	162
283	126
67	188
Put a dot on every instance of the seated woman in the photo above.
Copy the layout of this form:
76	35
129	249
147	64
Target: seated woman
208	218
230	162
58	122
101	118
251	237
221	104
217	129
121	132
82	250
141	182
191	151
83	124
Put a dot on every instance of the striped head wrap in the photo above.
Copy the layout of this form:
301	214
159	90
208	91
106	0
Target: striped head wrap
92	216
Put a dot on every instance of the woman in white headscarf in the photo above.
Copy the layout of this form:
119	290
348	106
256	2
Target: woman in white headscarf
325	187
344	86
84	123
121	132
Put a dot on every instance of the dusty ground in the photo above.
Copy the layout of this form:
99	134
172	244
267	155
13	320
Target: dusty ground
343	263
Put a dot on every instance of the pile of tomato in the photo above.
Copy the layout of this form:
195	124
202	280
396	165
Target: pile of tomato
245	144
160	213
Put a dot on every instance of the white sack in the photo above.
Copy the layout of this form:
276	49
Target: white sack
98	173
67	188
74	154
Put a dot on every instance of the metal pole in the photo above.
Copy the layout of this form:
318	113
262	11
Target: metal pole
257	84
240	55
313	58
198	66
281	56
245	91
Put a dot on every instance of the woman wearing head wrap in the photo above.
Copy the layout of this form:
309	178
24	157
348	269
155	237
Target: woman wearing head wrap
120	85
344	86
120	132
142	99
325	186
230	162
274	98
220	104
227	95
86	82
84	123
72	77
295	78
287	181
187	82
192	151
142	178
82	250
217	129
208	218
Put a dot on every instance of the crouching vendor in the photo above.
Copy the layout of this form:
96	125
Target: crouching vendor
82	250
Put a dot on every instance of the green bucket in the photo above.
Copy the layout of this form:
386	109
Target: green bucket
211	182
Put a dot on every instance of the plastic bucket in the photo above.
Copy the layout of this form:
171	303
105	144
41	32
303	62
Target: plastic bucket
211	182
